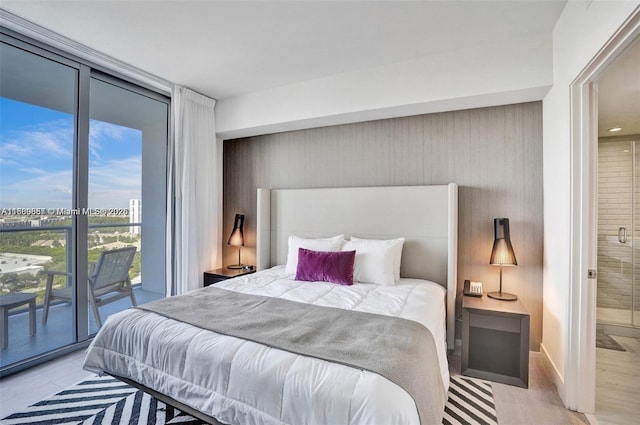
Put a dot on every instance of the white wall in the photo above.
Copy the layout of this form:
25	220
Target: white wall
513	71
582	30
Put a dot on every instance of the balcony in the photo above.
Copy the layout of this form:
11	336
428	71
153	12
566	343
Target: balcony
58	331
25	252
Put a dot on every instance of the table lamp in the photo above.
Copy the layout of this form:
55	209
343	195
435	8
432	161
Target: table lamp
237	239
502	255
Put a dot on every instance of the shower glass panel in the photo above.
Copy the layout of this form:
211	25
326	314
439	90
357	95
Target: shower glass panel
618	232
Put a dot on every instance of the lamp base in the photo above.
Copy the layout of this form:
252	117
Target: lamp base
502	296
236	266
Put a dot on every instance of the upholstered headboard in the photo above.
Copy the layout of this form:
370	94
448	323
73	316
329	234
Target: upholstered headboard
427	216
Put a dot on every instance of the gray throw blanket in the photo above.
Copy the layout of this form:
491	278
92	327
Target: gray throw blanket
400	350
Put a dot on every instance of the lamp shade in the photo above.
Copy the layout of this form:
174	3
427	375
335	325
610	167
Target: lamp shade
502	253
237	235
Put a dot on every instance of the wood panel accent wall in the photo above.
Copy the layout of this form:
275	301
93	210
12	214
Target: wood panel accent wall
494	155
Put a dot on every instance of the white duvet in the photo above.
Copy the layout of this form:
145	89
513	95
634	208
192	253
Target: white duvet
242	382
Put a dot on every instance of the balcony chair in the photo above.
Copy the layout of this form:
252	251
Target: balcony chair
109	281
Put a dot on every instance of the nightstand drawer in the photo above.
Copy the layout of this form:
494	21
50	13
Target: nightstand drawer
506	324
211	279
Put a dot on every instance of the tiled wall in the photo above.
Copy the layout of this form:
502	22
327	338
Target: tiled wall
616	271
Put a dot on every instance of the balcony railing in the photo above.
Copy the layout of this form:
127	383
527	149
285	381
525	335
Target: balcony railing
26	252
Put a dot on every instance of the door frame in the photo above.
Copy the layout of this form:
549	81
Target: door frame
580	378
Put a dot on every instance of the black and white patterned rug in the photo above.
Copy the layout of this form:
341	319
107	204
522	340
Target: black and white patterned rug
470	402
105	400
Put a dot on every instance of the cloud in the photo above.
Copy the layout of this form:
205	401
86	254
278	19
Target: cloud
115	182
31	170
51	138
102	132
52	190
111	185
66	190
55	138
37	162
4	161
11	149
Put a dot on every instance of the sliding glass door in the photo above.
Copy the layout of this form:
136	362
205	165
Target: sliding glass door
81	153
123	124
38	104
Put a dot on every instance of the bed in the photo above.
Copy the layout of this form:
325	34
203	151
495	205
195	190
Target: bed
222	378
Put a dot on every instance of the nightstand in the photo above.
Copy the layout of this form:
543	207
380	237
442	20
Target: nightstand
495	340
218	275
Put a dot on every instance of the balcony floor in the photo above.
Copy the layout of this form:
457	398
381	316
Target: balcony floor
57	332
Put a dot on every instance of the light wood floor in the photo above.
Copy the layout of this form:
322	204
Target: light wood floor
618	383
30	386
539	404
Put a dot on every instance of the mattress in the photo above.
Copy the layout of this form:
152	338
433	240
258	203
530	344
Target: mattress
243	382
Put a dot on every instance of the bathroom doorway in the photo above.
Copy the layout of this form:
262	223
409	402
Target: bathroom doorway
618	251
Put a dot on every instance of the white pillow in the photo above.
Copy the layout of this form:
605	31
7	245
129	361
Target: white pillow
321	244
397	251
374	260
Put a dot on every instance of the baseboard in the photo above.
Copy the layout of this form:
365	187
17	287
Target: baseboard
554	374
591	419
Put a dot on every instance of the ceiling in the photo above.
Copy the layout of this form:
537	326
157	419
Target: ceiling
228	48
619	94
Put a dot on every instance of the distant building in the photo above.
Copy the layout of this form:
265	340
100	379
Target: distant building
135	215
9	222
26	222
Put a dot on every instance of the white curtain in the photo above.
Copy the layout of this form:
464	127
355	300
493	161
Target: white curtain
194	192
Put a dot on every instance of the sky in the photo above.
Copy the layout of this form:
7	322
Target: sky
36	159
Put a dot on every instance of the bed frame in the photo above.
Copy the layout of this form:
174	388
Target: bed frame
170	402
427	216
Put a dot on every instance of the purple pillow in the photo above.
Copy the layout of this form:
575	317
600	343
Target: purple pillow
324	266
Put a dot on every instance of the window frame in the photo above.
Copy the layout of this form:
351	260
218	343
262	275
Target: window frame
79	262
